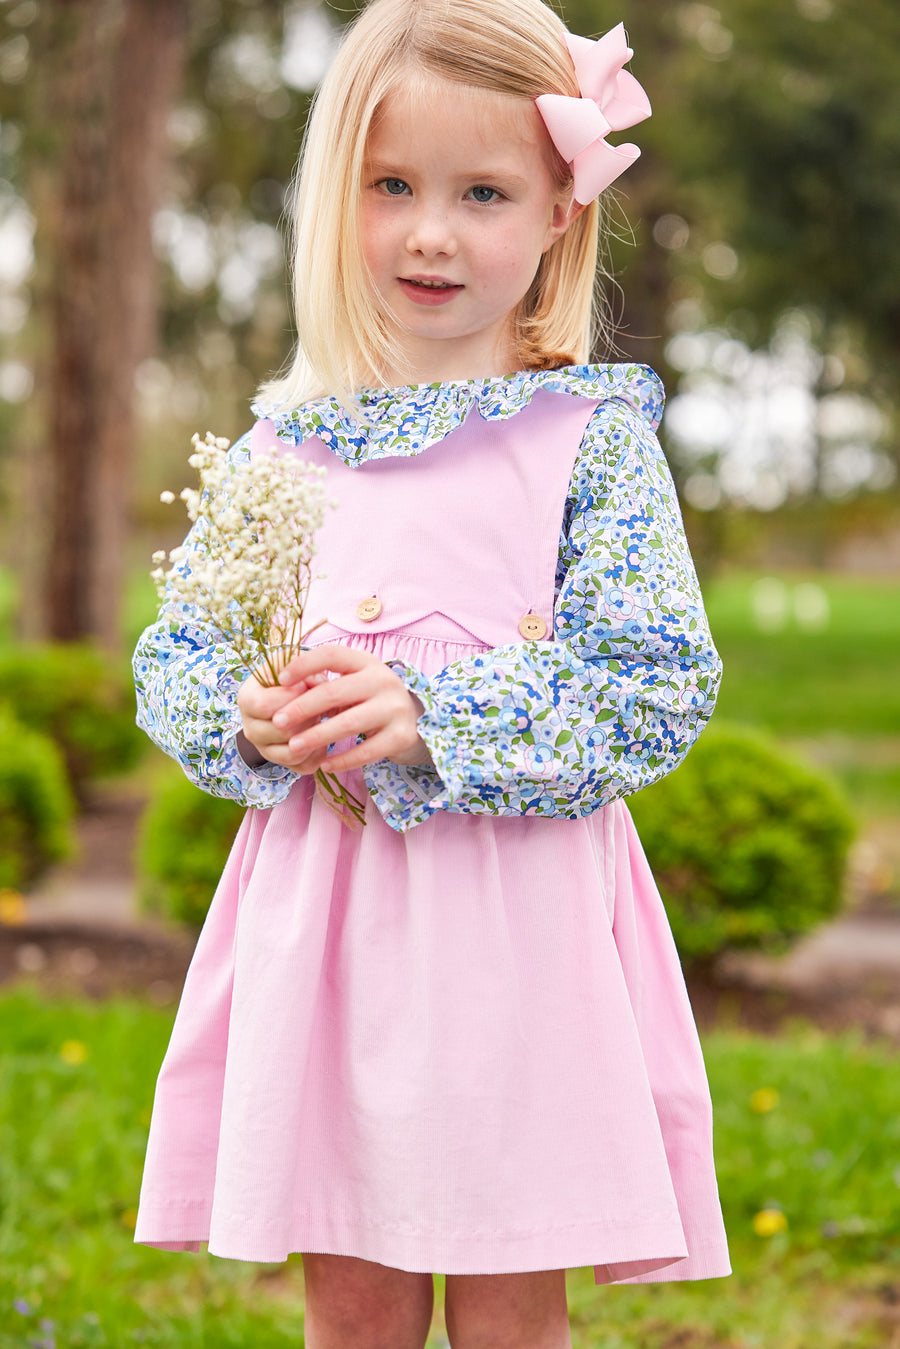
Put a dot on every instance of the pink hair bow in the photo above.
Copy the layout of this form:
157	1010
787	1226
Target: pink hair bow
611	100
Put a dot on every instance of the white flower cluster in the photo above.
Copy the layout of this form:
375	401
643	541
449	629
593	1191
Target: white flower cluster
250	574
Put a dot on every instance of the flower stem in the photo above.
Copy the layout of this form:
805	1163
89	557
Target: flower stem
342	801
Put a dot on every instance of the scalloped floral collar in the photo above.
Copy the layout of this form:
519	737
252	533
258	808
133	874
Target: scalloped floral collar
405	421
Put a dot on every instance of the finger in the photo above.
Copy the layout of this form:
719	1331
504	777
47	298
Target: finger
264	736
308	764
362	719
261	702
273	743
298	763
327	699
274	751
371	750
331	656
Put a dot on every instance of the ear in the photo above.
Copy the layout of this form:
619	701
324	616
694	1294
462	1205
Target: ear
563	215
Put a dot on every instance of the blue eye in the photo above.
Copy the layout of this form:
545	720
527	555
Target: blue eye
484	195
395	187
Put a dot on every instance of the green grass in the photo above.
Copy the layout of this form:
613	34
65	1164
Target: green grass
833	693
72	1135
72	1138
840	679
826	1156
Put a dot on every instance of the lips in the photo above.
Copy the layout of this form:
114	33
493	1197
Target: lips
428	290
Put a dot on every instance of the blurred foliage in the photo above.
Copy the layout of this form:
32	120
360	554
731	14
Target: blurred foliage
185	838
36	807
855	534
81	699
748	847
776	130
802	119
8	601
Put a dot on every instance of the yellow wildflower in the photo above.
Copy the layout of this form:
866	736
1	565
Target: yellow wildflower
73	1052
768	1222
764	1100
12	908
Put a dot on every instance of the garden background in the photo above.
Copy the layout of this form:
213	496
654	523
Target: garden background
144	148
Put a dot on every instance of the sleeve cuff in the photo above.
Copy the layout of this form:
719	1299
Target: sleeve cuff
404	794
263	786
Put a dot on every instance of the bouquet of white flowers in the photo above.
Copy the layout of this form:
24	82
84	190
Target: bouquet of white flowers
251	571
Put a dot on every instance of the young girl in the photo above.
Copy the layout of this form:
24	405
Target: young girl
457	1040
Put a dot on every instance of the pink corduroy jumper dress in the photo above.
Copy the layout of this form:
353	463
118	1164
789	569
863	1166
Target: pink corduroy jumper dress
466	1048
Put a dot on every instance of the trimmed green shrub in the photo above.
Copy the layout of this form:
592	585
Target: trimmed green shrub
81	699
184	840
748	846
36	806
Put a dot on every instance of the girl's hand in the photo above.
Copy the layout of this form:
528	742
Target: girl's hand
257	705
366	699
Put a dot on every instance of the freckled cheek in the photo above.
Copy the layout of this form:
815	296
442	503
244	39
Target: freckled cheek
504	261
512	266
376	240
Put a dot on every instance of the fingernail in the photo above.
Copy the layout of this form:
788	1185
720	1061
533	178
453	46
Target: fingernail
279	719
296	744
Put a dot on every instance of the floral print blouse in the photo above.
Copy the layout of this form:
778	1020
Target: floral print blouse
554	728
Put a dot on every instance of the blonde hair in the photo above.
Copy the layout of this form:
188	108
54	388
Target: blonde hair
512	47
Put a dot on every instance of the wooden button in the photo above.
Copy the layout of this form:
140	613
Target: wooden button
533	627
369	609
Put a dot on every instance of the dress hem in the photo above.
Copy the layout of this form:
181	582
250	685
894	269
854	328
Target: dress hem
634	1255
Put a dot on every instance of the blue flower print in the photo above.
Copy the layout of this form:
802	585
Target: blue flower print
547	729
620	602
690	696
536	756
515	718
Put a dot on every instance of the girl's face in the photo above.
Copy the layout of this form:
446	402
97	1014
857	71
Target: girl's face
459	203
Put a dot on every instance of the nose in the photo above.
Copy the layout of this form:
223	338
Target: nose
431	233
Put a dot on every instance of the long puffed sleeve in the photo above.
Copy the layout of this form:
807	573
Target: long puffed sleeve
187	679
610	705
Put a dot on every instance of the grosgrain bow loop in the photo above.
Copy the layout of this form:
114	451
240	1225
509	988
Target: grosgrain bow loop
611	100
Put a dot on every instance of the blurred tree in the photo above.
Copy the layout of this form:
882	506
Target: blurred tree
768	180
99	126
796	169
236	131
104	74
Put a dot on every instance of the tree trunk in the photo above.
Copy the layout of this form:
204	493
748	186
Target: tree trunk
116	65
76	57
144	83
